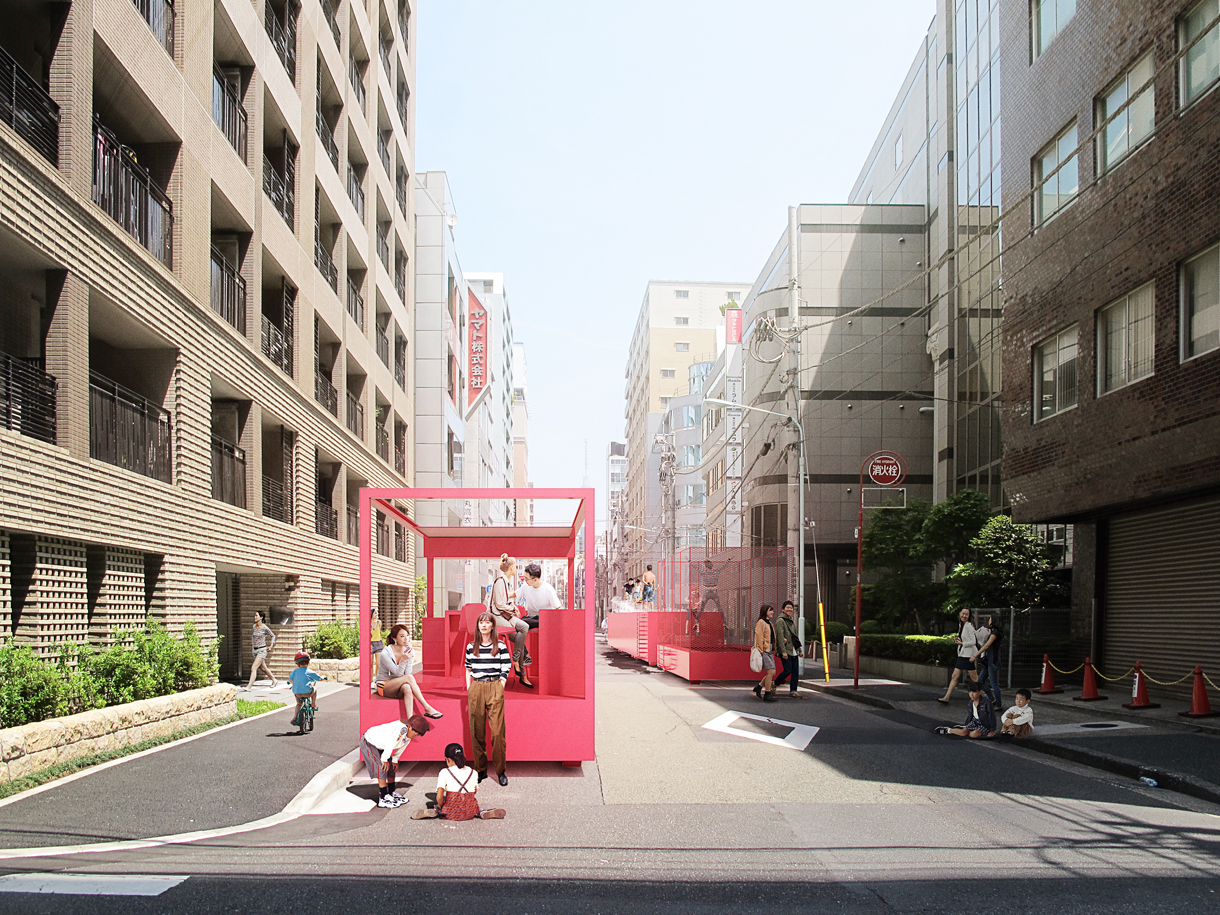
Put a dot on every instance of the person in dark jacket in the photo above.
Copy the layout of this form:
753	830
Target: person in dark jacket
980	716
788	647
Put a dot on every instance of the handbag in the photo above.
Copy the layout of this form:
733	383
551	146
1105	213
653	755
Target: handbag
756	663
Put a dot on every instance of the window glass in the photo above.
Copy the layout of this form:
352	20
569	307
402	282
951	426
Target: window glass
668	373
1201	64
1055	374
1125	340
691	455
1201	304
1048	18
1055	170
681	322
682	347
1135	122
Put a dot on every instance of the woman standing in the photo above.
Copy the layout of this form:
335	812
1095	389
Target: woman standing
376	641
487	663
504	606
764	641
967	648
262	640
394	669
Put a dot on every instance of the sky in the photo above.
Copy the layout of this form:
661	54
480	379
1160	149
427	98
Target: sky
591	147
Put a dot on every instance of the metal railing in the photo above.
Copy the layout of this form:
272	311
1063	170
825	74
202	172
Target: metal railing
383	345
400	461
326	517
400	543
326	264
159	14
400	363
383	243
383	443
384	48
329	12
277	501
227	111
403	95
400	192
228	291
228	472
353	526
276	346
27	108
400	278
276	187
324	392
355	302
357	81
27	398
125	190
355	191
283	35
383	149
127	430
327	136
354	415
383	536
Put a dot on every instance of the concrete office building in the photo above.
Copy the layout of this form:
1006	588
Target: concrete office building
683	501
205	315
722	440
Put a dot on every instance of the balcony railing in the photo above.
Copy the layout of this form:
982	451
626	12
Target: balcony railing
383	443
400	363
355	302
383	346
325	392
227	111
355	415
329	12
383	243
326	264
384	48
357	81
400	193
159	14
228	291
400	543
327	136
276	187
383	536
403	94
277	347
400	461
400	278
283	35
277	501
325	517
383	150
353	526
125	190
127	430
228	472
27	398
355	191
27	108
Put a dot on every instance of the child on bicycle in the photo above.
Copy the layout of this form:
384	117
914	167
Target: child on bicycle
302	680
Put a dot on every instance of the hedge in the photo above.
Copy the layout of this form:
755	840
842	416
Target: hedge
334	639
937	650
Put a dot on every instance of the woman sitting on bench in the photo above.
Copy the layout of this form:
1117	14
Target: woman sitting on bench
394	670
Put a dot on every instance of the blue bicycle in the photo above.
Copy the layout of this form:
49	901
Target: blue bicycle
305	717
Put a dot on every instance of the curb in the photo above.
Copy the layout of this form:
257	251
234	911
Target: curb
332	779
853	695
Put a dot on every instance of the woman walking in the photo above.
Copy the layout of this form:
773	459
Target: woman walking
262	640
967	648
764	641
394	670
487	663
504	606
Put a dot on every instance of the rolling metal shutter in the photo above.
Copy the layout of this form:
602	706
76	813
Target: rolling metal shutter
1163	592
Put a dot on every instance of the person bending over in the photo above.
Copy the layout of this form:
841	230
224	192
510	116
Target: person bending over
381	746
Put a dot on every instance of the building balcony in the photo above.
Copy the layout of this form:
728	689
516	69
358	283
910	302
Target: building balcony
400	461
383	244
277	347
400	364
354	416
326	519
127	430
403	95
383	443
228	292
384	49
126	192
400	192
400	543
325	392
159	14
400	278
227	111
326	265
278	188
382	535
383	150
355	191
355	302
27	108
277	501
357	81
27	398
353	526
228	472
329	13
327	136
283	35
383	346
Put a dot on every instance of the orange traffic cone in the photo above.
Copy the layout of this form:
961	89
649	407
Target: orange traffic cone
1199	706
1048	678
1089	693
1139	691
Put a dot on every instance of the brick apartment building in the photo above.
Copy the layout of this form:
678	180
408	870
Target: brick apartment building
1111	326
204	313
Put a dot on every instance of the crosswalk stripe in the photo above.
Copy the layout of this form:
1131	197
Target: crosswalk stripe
91	884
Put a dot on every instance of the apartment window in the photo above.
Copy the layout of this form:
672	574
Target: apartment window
681	322
665	403
1047	19
1134	124
734	296
694	494
1124	340
682	347
898	152
1055	189
1201	64
691	416
715	479
1201	304
669	373
769	524
681	293
691	455
1055	374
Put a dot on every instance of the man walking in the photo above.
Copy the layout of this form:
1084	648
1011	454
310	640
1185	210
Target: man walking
788	647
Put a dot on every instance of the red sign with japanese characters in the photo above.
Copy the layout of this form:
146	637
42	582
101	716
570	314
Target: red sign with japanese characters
478	372
732	325
886	469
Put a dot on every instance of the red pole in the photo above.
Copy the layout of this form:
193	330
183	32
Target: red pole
859	579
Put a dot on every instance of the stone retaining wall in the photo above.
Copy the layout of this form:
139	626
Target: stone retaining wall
344	670
44	743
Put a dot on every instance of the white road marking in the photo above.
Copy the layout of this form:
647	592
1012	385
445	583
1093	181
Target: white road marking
91	884
798	738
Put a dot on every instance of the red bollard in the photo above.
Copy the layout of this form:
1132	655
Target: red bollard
1199	706
1139	691
1089	693
1048	678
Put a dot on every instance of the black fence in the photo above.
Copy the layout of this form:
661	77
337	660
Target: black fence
125	190
327	136
228	472
128	431
280	190
283	35
228	291
277	501
326	264
355	302
325	392
353	526
326	520
276	346
27	108
227	111
355	415
159	14
27	398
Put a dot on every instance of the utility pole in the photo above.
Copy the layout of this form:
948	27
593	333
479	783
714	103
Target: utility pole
794	328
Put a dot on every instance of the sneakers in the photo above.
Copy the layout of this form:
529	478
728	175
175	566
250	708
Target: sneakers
294	722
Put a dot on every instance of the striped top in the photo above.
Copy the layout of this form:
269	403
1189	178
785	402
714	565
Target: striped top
258	638
486	666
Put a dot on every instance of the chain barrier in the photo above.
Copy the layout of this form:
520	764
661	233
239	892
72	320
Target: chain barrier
1152	679
1064	672
1147	676
1209	682
1111	679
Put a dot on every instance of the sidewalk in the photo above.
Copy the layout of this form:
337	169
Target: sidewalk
1180	754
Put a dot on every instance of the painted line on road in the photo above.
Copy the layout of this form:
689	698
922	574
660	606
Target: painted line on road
92	884
798	738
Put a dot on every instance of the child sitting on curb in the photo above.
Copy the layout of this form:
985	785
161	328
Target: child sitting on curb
456	787
980	717
1018	721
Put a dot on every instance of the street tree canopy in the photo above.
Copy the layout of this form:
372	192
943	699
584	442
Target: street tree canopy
1010	566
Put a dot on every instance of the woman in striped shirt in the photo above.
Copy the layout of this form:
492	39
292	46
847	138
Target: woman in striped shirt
262	640
487	665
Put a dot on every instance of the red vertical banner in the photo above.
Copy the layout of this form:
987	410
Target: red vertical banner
478	372
732	325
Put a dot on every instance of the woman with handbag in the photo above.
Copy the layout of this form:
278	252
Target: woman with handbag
456	790
504	608
764	644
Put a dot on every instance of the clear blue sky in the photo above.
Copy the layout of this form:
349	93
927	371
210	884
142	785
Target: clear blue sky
594	146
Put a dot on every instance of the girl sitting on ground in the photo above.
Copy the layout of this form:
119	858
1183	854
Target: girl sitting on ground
456	787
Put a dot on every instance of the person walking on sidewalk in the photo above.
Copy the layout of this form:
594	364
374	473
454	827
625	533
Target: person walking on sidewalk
381	746
487	664
788	646
394	671
987	660
764	641
967	648
262	640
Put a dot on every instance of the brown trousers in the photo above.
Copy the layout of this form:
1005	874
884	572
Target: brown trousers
486	705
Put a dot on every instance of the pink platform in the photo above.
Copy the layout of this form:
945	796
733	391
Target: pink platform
554	721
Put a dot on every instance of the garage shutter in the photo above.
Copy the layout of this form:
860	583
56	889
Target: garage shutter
1163	592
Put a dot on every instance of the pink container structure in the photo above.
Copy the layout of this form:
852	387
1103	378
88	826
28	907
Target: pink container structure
555	720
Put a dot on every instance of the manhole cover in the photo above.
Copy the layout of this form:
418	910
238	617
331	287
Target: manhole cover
1099	725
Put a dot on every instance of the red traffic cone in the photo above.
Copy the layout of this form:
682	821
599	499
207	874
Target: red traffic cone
1139	691
1089	693
1199	706
1048	678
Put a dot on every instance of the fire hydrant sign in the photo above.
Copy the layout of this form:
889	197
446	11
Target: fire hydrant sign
886	469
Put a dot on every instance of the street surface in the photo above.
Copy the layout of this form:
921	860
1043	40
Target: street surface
876	814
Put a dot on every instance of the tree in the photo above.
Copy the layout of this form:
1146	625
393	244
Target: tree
951	525
1010	567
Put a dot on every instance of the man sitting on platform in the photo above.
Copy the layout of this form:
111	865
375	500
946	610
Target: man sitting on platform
538	595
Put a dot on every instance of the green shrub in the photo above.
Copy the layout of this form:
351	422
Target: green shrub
937	650
150	662
335	639
870	627
834	632
30	689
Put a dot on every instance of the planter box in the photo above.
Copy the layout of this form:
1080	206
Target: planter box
345	670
